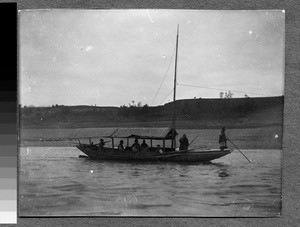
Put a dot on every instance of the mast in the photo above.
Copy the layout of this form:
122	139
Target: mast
174	94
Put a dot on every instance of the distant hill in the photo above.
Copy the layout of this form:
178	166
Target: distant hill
190	113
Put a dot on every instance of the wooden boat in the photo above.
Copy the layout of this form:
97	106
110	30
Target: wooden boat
151	153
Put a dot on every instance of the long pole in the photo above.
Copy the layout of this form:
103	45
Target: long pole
174	94
239	150
193	140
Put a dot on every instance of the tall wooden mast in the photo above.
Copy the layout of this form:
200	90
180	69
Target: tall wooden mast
174	94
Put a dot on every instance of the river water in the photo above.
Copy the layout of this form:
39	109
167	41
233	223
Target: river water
54	181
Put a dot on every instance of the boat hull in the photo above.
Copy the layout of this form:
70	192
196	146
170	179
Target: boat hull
188	156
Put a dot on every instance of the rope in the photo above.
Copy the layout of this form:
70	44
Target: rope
167	96
163	78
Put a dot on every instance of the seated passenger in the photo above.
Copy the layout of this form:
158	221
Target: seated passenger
144	145
159	150
136	146
101	144
120	146
92	146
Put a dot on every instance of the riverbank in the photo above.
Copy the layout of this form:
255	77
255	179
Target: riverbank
190	114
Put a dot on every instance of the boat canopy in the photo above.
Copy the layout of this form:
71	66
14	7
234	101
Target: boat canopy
144	133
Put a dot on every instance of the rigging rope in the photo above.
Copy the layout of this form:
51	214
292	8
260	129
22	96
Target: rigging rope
166	96
218	89
163	78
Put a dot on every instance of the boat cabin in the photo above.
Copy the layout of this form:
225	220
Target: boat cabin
152	136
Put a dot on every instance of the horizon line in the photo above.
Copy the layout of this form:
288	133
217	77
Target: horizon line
94	105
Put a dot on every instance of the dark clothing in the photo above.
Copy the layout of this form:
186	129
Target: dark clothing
121	147
222	137
144	145
159	150
184	143
136	146
101	144
222	140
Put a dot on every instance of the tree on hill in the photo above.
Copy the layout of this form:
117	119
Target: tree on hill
133	109
228	95
221	94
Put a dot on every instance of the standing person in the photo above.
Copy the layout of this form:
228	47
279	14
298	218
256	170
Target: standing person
120	146
136	146
223	139
184	143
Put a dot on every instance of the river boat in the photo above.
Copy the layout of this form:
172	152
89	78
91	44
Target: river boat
156	136
153	136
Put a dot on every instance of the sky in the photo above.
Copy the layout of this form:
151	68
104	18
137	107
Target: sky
114	57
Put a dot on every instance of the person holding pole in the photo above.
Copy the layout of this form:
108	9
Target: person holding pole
223	139
223	143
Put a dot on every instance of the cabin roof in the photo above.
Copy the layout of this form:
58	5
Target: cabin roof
143	133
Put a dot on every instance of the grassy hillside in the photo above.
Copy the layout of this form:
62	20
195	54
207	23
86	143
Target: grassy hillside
190	113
